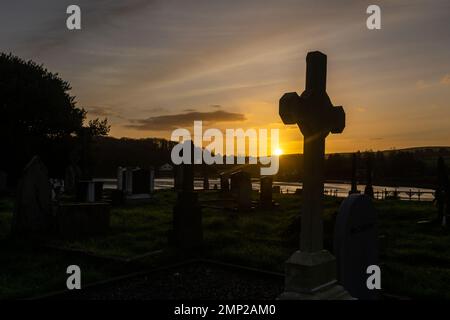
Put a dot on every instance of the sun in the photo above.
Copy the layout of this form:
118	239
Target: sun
278	152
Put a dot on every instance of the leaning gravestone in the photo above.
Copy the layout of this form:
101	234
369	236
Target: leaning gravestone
32	212
355	244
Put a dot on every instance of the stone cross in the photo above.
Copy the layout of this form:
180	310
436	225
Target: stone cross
316	117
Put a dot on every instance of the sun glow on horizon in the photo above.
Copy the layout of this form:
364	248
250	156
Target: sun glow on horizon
278	152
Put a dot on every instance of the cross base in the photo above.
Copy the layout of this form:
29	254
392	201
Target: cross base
312	276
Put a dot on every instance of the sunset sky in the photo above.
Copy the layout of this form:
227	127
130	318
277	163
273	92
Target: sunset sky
152	66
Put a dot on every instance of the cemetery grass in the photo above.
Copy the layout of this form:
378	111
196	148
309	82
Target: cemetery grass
415	258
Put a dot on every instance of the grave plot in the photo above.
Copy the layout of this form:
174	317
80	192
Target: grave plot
196	279
416	253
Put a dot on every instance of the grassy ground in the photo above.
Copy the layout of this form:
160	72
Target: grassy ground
415	257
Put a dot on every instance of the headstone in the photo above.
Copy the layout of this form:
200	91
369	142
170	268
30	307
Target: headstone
224	183
355	244
241	189
187	214
266	192
135	183
32	212
118	195
311	271
141	181
127	181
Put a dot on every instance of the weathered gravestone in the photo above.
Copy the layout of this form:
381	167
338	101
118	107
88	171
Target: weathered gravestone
224	183
241	189
187	214
33	211
135	184
311	271
143	181
266	192
355	244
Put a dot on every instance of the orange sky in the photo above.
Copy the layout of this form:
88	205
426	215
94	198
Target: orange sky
150	66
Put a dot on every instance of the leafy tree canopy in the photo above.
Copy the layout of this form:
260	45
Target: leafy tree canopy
37	112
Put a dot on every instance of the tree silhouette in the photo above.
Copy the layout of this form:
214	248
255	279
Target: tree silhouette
38	116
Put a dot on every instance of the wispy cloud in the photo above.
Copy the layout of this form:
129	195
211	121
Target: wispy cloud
446	79
174	121
103	111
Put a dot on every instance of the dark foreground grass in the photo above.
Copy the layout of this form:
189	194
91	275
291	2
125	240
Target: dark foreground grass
415	257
